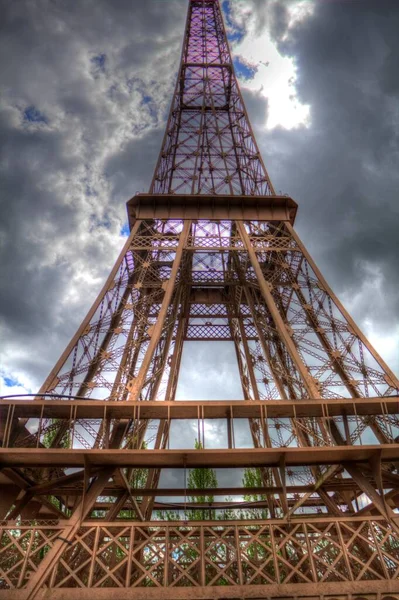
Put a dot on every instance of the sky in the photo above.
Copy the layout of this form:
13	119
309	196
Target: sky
85	89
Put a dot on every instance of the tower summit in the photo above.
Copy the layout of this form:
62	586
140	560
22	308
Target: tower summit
212	256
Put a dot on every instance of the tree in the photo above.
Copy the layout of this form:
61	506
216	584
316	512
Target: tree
197	479
253	478
201	479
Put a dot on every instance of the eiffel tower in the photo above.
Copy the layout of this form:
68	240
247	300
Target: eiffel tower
212	256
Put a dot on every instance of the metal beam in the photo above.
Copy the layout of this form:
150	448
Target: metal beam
54	408
315	591
243	457
168	206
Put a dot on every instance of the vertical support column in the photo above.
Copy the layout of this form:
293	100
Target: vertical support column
342	310
344	552
26	557
8	496
166	558
93	561
277	318
140	379
130	556
238	555
202	557
313	571
67	535
59	364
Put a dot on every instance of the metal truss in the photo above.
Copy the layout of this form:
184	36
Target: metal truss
148	560
228	280
209	146
212	256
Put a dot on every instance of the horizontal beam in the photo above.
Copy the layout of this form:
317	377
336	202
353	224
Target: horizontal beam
238	409
301	519
220	207
207	65
342	589
177	459
342	485
242	524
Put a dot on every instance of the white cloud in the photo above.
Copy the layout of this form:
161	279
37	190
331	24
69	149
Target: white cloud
276	74
66	179
15	384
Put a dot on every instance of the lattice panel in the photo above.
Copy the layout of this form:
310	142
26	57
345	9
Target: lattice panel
21	551
251	283
111	347
209	147
111	344
137	556
338	360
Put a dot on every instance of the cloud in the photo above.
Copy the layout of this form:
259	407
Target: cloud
209	372
84	94
343	169
81	88
256	105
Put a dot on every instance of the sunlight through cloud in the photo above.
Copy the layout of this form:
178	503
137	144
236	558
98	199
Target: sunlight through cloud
273	74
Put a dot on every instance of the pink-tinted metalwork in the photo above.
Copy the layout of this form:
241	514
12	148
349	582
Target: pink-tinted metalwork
209	146
205	261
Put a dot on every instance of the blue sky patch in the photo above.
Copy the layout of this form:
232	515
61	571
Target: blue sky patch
90	191
99	61
10	382
125	229
149	101
234	32
243	69
32	115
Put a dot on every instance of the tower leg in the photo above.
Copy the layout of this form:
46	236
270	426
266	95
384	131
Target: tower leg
46	566
8	497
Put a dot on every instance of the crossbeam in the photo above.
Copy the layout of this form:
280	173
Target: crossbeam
206	409
220	560
337	485
259	592
184	206
215	458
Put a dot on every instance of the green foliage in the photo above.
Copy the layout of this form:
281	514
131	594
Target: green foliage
49	436
138	477
168	515
201	479
253	478
65	442
197	479
228	514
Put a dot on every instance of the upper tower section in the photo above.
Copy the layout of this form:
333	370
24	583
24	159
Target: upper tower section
209	147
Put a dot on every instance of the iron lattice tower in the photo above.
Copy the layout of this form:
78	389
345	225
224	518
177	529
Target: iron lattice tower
212	255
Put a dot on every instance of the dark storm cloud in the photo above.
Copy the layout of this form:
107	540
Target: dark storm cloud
256	105
343	169
135	163
83	87
84	90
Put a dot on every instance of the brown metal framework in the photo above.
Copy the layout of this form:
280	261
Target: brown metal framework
212	255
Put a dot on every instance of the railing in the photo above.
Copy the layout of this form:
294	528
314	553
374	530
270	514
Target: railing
278	420
313	555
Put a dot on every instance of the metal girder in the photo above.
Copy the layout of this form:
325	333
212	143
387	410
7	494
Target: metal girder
67	534
244	457
212	255
177	206
56	408
316	556
372	590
